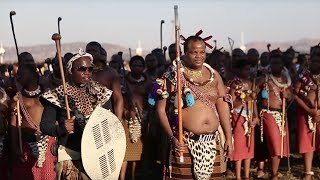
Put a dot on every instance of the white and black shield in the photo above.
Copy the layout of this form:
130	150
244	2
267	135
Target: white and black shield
103	145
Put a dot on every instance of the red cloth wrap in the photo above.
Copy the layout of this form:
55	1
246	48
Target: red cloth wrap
304	134
29	171
272	136
241	150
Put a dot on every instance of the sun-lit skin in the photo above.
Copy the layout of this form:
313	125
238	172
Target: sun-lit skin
196	55
81	77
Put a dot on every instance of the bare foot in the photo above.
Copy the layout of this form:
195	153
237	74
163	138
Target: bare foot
260	173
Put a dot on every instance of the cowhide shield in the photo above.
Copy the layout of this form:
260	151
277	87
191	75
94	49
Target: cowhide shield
103	145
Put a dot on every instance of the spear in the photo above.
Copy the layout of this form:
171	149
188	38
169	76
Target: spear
179	93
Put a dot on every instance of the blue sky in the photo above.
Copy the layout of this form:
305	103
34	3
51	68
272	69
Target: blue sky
125	22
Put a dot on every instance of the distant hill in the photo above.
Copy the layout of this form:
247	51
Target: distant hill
41	52
301	45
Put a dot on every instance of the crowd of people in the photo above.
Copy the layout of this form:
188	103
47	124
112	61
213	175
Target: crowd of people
239	110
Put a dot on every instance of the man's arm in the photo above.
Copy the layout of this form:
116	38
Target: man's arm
48	124
117	96
224	115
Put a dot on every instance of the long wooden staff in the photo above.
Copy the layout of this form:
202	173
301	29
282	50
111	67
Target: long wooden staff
179	87
56	37
283	122
251	117
315	124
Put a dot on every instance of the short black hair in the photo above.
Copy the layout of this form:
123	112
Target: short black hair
136	58
188	40
93	43
30	72
25	58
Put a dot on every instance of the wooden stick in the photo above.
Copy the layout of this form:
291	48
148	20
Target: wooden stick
56	37
19	122
315	123
251	118
179	87
283	122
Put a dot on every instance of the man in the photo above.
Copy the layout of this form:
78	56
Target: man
106	76
217	61
152	70
200	119
137	87
84	95
35	161
275	91
244	117
161	59
307	114
173	52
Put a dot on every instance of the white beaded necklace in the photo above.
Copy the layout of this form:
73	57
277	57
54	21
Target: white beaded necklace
282	85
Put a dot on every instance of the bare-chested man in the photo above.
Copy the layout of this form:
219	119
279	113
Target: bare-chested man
106	76
34	151
204	107
307	90
276	89
245	117
137	88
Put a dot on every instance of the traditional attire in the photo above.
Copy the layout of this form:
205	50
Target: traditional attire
202	160
39	161
305	131
306	127
36	147
132	129
240	134
271	130
82	101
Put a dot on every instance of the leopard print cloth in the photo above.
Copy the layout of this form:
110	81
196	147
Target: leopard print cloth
39	149
203	154
81	99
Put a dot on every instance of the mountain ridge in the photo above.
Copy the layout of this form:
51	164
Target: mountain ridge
44	51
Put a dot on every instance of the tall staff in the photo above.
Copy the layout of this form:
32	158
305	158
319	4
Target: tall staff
162	22
315	124
252	110
231	43
57	37
283	122
19	122
59	19
12	13
179	87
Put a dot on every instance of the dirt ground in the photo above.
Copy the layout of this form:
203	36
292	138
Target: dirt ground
297	169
